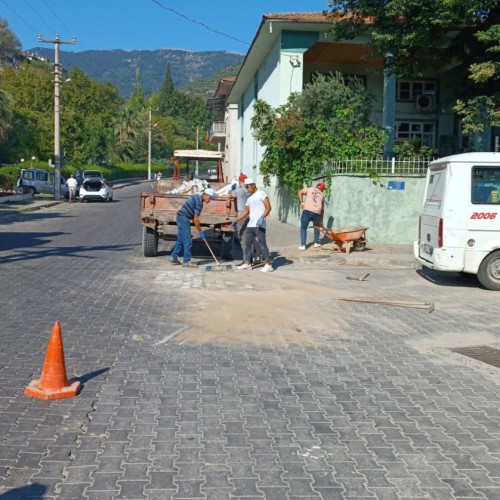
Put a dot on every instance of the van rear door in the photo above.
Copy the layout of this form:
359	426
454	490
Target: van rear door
430	228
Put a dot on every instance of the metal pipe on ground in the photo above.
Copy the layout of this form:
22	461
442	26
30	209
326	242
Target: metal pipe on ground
398	303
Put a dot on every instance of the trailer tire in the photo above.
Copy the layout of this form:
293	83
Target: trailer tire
489	271
149	242
227	246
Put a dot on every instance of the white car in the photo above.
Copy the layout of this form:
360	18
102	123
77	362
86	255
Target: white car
95	189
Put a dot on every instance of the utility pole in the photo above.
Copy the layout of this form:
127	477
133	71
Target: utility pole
57	131
150	127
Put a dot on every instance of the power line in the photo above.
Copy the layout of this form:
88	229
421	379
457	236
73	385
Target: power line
57	17
40	17
217	32
19	17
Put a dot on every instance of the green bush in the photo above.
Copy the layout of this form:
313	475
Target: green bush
8	178
118	170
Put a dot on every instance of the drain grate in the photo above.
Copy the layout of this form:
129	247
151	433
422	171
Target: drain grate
482	353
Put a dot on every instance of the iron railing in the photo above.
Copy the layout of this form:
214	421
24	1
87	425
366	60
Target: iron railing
218	128
380	166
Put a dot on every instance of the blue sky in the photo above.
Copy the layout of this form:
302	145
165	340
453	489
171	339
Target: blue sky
196	25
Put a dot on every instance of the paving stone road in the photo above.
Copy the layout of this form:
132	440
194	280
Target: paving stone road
239	385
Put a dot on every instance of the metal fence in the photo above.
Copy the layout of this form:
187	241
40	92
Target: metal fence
401	166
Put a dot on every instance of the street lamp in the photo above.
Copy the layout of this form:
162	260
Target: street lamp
33	158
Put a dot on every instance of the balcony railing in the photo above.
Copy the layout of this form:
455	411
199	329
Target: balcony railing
218	128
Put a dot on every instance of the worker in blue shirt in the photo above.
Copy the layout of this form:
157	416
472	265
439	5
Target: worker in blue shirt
190	211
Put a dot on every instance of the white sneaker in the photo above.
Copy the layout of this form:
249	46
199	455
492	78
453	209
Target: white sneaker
317	245
302	247
244	266
268	268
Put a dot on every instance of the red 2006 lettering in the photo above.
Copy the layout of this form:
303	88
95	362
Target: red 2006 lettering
484	215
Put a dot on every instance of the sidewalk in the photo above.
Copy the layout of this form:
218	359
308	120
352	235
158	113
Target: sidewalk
285	237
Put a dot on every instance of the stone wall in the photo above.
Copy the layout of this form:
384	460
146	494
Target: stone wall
389	206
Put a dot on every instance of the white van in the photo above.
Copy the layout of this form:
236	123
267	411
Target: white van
459	226
41	181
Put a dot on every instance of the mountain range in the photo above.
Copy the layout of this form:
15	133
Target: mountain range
120	67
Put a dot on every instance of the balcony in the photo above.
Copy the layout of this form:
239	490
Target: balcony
218	129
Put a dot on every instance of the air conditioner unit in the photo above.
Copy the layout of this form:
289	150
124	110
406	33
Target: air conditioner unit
425	102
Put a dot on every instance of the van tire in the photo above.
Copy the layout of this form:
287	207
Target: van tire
489	271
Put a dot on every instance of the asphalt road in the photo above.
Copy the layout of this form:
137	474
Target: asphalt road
229	385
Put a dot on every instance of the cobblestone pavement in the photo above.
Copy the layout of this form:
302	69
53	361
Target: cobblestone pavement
239	385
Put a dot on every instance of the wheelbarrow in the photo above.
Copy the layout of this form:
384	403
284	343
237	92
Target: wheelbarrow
345	239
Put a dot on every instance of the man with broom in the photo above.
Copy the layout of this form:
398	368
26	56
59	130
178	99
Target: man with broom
190	211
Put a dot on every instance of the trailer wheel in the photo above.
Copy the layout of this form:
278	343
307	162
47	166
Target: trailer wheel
149	242
227	246
489	271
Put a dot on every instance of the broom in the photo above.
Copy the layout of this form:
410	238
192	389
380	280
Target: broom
217	267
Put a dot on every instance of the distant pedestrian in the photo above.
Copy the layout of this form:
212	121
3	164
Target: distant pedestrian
190	211
158	176
257	208
79	177
72	185
312	211
241	194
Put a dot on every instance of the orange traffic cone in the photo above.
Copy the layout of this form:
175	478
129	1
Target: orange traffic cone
53	383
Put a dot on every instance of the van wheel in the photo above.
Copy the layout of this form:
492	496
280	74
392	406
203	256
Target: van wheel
489	271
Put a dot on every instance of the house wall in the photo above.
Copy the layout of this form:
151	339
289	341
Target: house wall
231	166
262	86
357	200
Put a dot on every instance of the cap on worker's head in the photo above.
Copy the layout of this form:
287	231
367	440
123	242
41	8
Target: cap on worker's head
210	193
248	181
321	185
242	177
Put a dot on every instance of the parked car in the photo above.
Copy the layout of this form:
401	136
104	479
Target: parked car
41	181
96	189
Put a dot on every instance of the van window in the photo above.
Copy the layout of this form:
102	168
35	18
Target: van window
435	187
28	175
41	176
485	185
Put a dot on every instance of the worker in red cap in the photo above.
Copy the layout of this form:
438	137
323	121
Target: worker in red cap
312	211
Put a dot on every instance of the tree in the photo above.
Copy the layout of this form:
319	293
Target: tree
166	95
137	99
413	35
328	120
87	109
5	113
9	43
189	112
478	89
